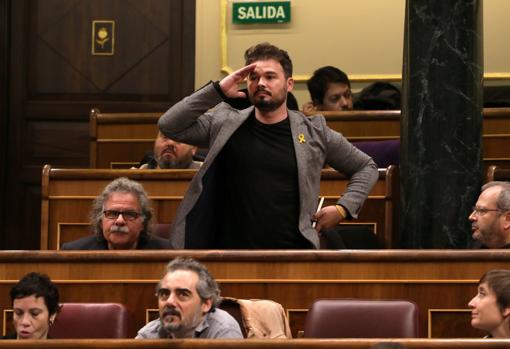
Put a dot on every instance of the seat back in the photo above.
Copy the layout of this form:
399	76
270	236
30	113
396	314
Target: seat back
91	320
161	230
359	318
384	153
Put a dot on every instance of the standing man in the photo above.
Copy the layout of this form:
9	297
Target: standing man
188	297
490	219
258	187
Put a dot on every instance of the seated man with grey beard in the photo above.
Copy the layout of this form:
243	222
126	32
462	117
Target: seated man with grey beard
188	297
121	220
490	218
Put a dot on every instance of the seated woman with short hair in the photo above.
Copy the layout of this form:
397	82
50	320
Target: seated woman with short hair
35	306
490	308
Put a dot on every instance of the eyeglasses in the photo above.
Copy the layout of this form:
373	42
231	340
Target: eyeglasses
482	211
127	215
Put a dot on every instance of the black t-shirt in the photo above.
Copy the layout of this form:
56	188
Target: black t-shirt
260	186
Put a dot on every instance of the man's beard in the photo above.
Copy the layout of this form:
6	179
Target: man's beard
184	162
171	327
488	235
163	164
266	105
184	328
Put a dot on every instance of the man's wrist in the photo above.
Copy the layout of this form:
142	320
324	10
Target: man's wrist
341	211
218	89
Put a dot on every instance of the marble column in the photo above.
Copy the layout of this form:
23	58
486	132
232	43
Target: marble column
441	126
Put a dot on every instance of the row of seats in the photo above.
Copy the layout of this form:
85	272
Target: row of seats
120	140
327	318
67	195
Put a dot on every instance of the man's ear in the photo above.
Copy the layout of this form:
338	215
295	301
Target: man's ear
193	151
506	220
506	312
206	306
290	84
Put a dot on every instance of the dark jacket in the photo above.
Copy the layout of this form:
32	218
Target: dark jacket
146	242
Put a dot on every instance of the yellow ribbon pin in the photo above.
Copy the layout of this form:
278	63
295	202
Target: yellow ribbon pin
301	138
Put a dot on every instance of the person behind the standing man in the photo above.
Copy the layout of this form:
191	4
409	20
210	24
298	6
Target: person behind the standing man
188	297
330	90
120	220
490	218
35	305
259	184
169	154
490	308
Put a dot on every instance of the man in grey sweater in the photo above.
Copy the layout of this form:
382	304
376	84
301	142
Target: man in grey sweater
188	297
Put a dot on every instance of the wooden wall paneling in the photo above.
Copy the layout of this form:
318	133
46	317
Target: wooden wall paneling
5	20
56	81
434	279
451	323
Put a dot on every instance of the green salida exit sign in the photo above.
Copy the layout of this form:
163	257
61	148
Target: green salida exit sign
261	12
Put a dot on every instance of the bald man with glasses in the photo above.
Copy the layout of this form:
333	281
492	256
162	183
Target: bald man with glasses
490	219
121	220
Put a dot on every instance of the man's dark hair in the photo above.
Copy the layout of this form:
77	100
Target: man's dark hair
38	285
265	51
318	83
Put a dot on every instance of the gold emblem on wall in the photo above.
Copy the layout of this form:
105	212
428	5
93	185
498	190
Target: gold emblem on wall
103	38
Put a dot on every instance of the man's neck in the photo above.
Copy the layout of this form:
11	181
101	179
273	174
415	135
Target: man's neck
272	117
123	247
187	334
499	241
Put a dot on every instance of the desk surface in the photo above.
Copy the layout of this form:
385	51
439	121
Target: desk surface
264	264
253	344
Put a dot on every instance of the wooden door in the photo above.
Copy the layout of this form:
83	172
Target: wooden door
68	56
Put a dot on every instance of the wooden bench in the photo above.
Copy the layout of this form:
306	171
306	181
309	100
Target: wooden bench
67	196
385	125
496	173
440	282
120	140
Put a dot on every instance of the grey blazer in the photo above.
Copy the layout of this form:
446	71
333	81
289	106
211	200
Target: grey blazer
190	121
